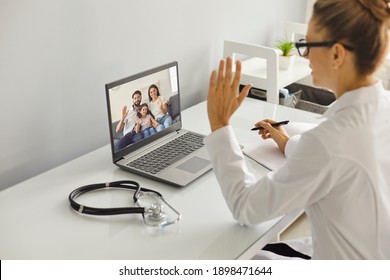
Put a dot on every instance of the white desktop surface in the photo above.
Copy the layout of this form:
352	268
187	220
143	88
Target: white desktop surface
37	221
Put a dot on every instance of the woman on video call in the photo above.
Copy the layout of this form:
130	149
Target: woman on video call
159	107
338	172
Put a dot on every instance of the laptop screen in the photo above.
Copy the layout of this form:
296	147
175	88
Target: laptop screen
143	108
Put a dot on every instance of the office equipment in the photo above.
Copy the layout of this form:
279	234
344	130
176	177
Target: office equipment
172	155
260	65
38	223
148	203
268	80
273	125
313	99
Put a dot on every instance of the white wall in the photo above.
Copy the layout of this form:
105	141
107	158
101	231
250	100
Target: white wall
56	56
309	9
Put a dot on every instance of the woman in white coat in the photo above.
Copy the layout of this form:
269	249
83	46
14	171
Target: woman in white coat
339	172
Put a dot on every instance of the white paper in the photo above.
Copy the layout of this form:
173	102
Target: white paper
266	152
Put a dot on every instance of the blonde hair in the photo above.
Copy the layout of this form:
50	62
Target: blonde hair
363	24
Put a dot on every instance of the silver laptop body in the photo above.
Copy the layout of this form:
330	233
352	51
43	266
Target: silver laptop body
178	166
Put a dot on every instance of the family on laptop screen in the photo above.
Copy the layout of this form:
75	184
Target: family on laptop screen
139	113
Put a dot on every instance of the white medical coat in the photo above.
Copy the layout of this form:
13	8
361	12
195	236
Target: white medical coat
339	172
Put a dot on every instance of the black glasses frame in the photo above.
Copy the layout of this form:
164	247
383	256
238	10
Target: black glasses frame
302	43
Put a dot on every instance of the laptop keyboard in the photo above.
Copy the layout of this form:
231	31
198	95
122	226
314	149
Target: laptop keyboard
171	152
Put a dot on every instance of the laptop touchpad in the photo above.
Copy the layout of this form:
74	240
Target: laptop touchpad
194	165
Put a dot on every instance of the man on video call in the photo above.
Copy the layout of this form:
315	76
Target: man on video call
127	122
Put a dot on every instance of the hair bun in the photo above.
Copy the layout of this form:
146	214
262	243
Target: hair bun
380	9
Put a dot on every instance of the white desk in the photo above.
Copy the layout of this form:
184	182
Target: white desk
38	223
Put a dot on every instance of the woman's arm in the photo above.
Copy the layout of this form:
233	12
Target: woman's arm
162	105
154	122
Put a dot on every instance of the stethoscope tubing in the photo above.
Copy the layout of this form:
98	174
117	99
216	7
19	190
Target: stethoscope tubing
125	184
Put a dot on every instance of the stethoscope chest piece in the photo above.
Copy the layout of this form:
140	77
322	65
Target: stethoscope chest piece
155	215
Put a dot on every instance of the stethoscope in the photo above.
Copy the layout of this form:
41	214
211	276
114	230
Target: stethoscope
153	215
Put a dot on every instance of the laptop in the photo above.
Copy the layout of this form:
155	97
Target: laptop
158	149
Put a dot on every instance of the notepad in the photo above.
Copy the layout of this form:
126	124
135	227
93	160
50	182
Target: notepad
266	152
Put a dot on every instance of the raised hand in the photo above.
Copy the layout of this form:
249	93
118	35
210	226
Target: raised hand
125	111
223	97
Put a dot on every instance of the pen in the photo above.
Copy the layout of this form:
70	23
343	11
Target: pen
273	125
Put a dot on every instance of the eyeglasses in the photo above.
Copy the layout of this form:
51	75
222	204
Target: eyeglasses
303	47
